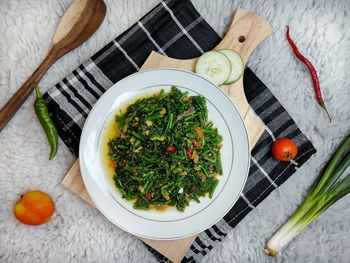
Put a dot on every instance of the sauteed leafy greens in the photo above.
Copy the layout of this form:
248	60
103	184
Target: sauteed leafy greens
167	153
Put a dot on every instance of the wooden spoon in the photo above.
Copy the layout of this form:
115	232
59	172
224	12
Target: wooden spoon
79	22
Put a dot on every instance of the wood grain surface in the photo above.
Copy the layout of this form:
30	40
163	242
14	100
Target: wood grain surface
245	33
78	23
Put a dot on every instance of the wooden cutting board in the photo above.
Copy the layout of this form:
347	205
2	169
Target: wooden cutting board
245	33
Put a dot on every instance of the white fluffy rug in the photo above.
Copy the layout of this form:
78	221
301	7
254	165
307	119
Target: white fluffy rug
79	233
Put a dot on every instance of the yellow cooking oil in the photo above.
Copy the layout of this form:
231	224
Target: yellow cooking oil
112	131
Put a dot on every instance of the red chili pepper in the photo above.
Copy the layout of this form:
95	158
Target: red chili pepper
189	152
171	149
313	72
196	143
199	133
165	154
148	196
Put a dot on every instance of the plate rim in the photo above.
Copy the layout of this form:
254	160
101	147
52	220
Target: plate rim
194	232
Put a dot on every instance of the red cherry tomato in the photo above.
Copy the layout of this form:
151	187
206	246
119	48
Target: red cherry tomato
148	196
284	149
189	152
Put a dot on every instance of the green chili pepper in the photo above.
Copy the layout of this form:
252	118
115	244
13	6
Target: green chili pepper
49	127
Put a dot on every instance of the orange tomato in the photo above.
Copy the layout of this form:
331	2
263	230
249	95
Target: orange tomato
284	149
34	208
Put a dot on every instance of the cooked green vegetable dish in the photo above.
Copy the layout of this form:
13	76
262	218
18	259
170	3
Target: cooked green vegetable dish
167	153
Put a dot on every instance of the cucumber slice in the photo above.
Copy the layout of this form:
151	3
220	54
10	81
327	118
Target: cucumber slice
214	66
237	65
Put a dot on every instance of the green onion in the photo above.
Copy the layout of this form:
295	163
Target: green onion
329	187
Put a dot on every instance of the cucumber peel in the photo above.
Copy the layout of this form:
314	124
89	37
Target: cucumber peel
237	65
224	66
214	66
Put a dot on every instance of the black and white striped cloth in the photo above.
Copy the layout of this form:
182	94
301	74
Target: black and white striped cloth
174	28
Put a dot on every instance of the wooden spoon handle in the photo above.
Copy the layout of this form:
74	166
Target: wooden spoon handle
79	22
24	91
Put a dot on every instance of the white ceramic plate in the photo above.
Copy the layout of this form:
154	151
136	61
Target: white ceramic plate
170	224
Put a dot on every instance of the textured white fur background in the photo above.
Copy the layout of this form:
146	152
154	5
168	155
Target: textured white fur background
79	233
